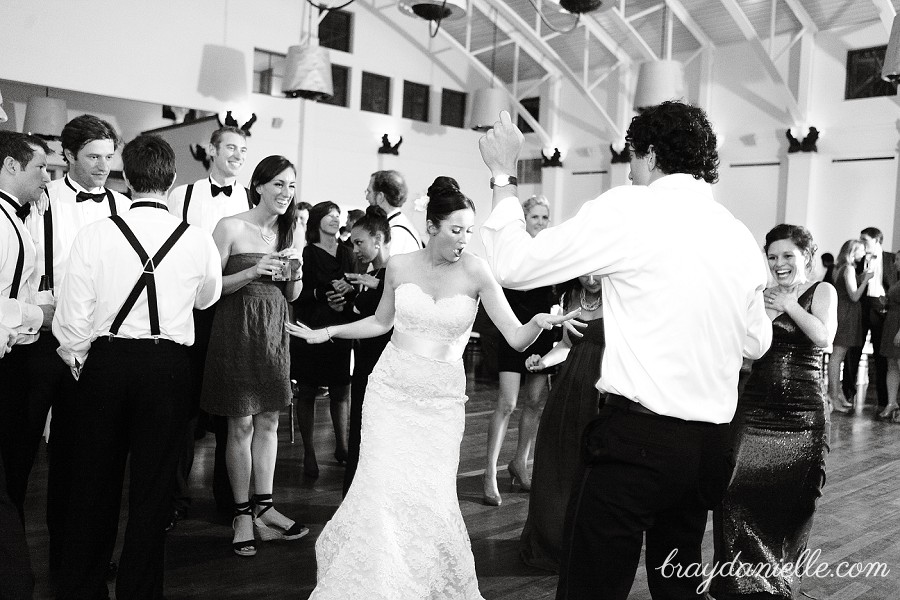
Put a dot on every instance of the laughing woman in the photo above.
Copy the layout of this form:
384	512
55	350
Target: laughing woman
247	368
780	430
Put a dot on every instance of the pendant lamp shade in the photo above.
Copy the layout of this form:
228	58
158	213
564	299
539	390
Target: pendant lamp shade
486	106
585	6
658	81
307	73
891	69
434	10
45	116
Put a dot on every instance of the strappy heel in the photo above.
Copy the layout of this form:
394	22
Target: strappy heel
245	548
516	477
266	529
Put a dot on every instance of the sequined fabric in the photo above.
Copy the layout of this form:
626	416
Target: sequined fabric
780	435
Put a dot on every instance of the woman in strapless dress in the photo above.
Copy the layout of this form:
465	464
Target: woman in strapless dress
399	533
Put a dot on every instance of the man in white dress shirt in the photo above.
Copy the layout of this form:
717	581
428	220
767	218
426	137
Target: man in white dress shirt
387	189
23	179
78	199
682	290
204	203
124	322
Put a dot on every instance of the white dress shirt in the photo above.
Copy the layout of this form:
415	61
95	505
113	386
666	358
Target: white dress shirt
404	235
69	217
682	289
205	211
21	314
103	269
875	289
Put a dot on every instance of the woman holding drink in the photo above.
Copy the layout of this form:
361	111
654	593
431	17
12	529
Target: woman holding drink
247	367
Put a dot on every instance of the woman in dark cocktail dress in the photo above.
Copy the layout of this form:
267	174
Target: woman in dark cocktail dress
573	403
780	431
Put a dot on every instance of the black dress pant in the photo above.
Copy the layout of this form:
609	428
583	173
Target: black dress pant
873	315
132	400
14	415
357	394
643	474
16	576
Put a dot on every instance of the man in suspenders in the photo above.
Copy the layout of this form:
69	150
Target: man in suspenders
76	200
124	323
387	189
23	178
203	203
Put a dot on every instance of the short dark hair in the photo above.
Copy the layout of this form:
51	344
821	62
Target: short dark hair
353	215
681	136
392	185
316	214
81	131
373	221
149	164
874	233
20	146
268	169
798	234
445	198
221	131
303	206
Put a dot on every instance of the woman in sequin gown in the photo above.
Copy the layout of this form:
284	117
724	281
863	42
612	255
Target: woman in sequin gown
399	533
780	431
573	403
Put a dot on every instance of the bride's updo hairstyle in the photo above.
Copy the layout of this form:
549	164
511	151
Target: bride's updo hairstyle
444	198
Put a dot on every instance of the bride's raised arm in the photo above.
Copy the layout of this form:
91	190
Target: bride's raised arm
518	336
378	324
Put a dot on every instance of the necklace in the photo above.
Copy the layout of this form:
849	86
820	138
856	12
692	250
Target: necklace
590	306
268	238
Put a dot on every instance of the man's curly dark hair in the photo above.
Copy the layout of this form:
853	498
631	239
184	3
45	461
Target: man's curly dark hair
681	136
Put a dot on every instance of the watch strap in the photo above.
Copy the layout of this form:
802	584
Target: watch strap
504	181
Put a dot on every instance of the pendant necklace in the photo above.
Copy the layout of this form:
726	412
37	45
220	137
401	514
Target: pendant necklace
269	239
590	306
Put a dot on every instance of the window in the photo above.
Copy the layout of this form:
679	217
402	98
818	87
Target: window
415	101
453	108
529	170
376	93
268	72
335	30
340	79
864	74
533	106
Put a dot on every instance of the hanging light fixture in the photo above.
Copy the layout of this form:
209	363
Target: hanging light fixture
307	69
890	71
584	6
660	80
488	102
434	10
45	117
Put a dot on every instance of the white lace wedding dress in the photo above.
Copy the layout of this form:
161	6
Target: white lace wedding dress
399	533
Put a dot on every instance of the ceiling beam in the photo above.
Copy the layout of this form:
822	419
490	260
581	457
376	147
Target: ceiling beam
886	13
750	34
802	15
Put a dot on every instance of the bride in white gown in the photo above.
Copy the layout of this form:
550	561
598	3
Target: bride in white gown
399	533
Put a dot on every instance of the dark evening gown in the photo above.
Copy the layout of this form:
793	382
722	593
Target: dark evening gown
573	403
526	304
780	434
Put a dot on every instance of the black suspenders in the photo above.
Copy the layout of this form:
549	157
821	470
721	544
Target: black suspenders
20	259
147	279
406	229
187	201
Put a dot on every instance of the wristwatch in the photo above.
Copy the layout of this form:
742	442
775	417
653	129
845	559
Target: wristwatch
503	180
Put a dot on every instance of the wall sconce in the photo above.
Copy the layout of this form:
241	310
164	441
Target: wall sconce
622	157
230	121
387	148
554	160
200	155
807	145
45	117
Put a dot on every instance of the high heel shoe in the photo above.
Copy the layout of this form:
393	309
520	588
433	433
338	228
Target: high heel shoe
245	548
310	468
490	497
340	456
515	476
271	527
889	413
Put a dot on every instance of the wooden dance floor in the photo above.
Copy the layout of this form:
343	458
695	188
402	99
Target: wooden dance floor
858	520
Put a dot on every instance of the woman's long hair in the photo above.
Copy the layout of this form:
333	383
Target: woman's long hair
268	169
845	259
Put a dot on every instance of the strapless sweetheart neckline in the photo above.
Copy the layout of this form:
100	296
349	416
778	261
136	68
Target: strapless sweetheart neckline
433	299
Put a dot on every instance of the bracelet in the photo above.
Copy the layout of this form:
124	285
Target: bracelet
328	333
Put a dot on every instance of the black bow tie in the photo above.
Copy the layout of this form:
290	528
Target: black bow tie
22	211
82	196
226	189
